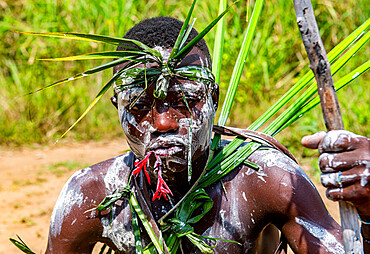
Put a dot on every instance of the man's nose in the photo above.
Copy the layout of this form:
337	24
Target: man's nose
164	119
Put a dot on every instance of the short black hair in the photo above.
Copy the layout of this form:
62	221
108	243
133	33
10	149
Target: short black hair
161	31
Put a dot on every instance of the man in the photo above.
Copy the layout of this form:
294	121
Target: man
278	193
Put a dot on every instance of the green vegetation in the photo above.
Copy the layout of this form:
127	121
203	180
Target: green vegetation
277	60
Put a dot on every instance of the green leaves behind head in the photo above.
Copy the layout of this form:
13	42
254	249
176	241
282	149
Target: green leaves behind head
186	49
183	35
101	38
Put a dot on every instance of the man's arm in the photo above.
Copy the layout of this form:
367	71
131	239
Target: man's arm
307	225
72	230
345	164
294	205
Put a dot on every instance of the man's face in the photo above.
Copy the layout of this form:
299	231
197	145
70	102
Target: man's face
163	126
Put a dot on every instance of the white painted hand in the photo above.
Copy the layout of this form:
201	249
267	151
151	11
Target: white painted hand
345	163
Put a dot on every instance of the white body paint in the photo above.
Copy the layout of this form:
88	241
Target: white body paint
118	229
331	138
332	178
70	196
365	175
327	240
273	158
120	234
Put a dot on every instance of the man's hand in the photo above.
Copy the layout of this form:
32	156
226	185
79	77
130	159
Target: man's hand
345	163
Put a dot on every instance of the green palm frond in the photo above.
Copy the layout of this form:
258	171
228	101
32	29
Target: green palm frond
20	244
238	69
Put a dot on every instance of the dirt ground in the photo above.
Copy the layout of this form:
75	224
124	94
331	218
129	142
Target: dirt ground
33	178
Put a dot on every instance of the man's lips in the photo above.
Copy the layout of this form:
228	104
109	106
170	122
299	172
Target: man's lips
167	145
165	149
168	151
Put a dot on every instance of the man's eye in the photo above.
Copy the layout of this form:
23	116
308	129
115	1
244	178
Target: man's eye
139	106
181	102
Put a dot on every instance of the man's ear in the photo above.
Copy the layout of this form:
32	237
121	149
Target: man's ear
215	95
113	99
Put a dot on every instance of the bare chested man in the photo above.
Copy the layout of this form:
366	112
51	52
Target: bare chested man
279	193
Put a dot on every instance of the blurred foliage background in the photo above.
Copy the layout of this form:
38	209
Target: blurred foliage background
276	61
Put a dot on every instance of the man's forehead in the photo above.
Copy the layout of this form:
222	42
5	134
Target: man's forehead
196	57
187	87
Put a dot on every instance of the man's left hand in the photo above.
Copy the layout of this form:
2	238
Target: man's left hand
345	164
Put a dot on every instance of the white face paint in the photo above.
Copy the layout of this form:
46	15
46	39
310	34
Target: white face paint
172	147
327	240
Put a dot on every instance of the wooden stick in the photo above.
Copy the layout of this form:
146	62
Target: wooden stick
319	64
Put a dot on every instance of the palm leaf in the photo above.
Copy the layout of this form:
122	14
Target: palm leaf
128	55
185	50
93	103
81	75
219	44
301	84
180	37
229	157
99	38
314	102
186	36
238	69
146	224
195	73
287	114
21	245
136	229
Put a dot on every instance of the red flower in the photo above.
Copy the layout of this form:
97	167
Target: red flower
140	165
162	187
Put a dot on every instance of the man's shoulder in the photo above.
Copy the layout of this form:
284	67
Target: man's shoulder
97	181
280	182
273	162
88	187
277	174
112	173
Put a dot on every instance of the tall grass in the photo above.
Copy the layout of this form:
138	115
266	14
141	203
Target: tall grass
273	65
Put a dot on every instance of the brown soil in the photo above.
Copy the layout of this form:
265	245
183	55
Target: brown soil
33	178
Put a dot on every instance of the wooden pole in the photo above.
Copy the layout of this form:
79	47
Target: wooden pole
319	64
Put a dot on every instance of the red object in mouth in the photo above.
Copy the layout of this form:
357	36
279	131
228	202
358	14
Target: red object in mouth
162	187
140	165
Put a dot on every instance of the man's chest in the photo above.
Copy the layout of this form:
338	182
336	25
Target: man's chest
233	218
235	215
